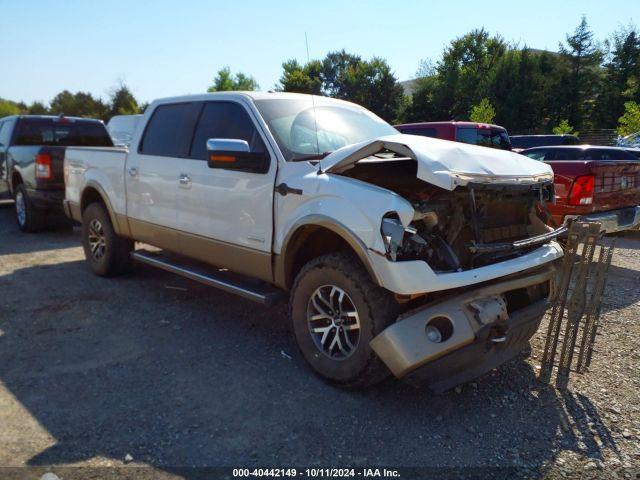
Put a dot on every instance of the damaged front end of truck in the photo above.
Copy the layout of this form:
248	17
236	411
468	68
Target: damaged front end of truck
480	228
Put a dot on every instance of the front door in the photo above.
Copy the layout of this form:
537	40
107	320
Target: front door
226	216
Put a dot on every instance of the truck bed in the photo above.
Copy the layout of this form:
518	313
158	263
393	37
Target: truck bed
617	185
103	166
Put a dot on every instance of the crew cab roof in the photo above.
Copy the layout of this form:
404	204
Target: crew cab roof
52	117
253	95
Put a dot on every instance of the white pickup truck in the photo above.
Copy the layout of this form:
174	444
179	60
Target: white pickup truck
421	257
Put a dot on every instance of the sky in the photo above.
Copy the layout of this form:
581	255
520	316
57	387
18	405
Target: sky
164	48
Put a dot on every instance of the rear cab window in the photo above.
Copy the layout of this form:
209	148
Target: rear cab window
63	132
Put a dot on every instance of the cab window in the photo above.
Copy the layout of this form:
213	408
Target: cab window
537	154
224	120
170	130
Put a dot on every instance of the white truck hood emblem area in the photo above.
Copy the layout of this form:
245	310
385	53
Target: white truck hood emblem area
445	163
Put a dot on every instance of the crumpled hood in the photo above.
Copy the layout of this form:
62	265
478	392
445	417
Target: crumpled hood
444	163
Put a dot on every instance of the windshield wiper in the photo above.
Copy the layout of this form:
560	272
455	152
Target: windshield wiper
311	156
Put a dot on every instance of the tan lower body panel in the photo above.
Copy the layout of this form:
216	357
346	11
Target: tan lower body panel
242	260
404	346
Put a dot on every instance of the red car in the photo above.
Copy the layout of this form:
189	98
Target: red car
596	183
483	134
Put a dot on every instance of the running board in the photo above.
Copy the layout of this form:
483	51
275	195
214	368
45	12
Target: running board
219	278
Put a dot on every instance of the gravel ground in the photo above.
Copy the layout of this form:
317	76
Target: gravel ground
154	370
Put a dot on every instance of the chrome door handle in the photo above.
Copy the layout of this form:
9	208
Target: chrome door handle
185	179
133	172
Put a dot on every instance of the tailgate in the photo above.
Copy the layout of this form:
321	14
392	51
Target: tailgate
617	185
57	169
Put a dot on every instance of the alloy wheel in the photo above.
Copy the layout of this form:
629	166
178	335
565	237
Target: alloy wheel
97	243
21	209
333	322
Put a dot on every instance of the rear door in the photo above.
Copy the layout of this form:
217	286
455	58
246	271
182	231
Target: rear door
152	175
225	216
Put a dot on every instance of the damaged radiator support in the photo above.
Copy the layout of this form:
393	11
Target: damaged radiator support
575	309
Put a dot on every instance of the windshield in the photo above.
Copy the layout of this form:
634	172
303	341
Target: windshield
302	130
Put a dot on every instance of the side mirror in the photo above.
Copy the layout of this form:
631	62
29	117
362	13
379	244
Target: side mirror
233	154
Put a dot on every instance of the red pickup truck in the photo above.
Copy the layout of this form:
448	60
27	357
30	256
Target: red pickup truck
483	134
596	183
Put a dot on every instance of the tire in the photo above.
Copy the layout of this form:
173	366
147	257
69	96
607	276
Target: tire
107	253
349	361
28	217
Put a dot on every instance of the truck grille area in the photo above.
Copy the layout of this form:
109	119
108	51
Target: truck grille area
450	227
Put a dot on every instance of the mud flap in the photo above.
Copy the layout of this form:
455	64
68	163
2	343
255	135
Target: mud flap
576	302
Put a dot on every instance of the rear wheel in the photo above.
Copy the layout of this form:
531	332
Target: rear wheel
336	310
29	218
107	253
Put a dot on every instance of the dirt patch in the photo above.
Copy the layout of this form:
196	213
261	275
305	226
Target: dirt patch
102	372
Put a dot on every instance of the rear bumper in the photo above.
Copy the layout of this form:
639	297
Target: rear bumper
46	199
71	210
613	220
484	332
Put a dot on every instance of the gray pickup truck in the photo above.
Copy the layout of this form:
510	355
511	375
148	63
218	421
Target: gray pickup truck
31	161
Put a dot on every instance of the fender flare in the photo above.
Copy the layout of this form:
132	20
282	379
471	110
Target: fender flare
282	263
119	229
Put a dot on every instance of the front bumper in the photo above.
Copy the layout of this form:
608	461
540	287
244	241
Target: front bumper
416	276
489	325
613	220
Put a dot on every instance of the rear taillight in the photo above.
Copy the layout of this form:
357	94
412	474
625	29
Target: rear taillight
43	166
581	192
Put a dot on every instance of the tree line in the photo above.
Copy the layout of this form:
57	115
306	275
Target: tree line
80	104
585	84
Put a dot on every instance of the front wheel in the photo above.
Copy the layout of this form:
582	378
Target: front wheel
107	253
336	310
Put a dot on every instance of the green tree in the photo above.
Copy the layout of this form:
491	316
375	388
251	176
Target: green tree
122	102
371	84
225	81
583	55
420	107
301	78
466	71
629	122
80	104
8	107
483	112
564	128
37	108
337	74
620	77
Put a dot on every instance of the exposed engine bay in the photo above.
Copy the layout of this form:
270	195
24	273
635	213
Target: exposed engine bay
469	227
